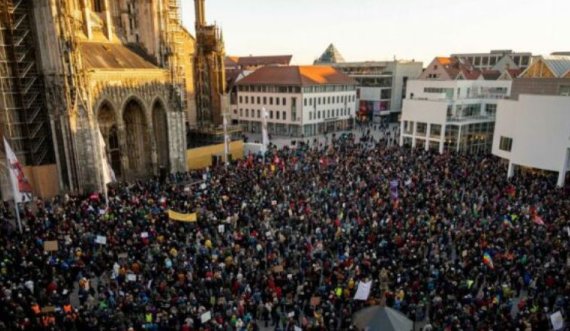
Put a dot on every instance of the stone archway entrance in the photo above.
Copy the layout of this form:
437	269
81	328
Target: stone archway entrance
160	126
107	122
138	147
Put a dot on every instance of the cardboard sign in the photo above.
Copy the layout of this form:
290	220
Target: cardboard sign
123	255
557	321
363	291
278	268
101	240
50	246
205	317
48	310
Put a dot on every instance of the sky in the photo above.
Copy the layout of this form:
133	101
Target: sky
383	29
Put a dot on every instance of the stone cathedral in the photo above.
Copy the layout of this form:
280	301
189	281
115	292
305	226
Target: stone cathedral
126	70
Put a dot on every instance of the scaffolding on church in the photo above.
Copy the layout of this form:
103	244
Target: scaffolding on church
24	115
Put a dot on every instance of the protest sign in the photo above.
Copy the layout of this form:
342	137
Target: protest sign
50	246
363	291
101	240
557	321
205	317
180	217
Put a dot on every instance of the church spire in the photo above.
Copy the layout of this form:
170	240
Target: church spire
200	13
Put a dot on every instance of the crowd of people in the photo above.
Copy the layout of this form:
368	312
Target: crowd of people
283	242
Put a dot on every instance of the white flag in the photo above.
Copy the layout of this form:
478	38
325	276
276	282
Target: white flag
264	134
20	185
108	173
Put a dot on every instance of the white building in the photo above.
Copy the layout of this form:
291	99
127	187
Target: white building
300	100
533	129
534	132
451	115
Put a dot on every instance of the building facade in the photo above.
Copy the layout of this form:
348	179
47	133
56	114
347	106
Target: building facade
452	115
533	128
381	86
120	68
534	132
300	100
238	67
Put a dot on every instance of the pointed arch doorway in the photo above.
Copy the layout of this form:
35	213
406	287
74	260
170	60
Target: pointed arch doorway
138	147
107	121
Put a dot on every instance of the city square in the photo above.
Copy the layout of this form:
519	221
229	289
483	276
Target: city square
152	180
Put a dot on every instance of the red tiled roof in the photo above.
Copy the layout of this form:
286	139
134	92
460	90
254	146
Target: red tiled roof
264	60
297	76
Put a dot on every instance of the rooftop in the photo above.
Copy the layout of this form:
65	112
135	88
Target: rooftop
297	76
113	56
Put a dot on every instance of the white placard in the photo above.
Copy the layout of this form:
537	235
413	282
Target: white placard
557	321
144	235
221	228
363	291
206	316
131	277
101	240
291	314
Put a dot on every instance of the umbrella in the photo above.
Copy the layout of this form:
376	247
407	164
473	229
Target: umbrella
377	318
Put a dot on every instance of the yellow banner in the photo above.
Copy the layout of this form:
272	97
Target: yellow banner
182	217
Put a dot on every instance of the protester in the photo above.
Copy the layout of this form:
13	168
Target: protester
286	243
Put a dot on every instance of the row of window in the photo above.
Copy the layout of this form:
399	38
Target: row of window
279	115
422	128
448	91
327	88
329	100
492	60
295	89
374	81
278	101
269	89
316	115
